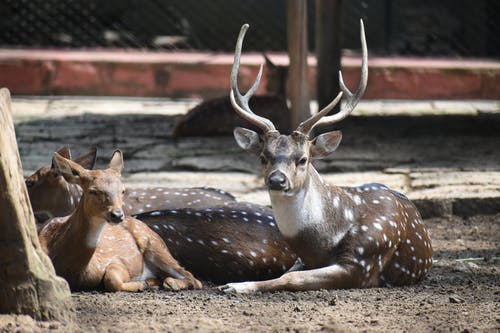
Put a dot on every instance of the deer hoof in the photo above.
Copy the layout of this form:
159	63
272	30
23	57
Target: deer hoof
173	284
178	284
237	288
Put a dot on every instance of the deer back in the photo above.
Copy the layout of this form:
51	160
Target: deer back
140	200
216	116
234	242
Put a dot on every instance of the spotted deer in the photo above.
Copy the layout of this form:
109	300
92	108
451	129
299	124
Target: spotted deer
347	237
98	246
52	196
216	116
225	243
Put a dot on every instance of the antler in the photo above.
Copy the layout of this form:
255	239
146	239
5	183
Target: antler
240	102
351	99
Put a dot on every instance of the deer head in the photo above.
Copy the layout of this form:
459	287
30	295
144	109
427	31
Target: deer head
102	189
50	194
286	159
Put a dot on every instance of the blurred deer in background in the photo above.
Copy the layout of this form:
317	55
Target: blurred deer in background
347	237
98	246
216	116
50	194
211	234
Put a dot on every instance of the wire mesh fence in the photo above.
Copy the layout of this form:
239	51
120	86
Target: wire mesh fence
410	27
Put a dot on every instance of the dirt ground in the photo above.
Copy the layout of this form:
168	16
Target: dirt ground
461	294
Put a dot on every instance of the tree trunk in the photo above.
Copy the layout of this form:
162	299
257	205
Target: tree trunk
298	88
328	50
28	283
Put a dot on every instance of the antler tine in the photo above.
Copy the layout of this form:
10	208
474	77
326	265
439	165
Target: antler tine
351	99
240	102
306	126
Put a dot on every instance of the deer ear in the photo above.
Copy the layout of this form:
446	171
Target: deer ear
247	139
116	162
65	152
71	171
325	144
269	64
88	159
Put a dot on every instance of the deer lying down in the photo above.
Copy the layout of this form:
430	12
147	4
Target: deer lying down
347	237
52	196
226	243
216	116
206	230
98	246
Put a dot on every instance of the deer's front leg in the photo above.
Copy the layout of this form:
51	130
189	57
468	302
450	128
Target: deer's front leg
116	278
331	277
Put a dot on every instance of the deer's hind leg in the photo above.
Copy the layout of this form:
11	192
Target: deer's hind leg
117	278
159	259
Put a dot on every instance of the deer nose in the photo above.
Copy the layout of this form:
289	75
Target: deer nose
116	215
277	181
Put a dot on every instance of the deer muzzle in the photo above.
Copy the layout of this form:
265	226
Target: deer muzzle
277	181
116	216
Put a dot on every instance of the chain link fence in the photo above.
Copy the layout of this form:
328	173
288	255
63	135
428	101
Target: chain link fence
409	27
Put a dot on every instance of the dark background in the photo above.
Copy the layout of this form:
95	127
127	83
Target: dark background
456	28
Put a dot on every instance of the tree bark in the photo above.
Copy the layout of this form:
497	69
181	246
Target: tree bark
298	88
28	283
328	50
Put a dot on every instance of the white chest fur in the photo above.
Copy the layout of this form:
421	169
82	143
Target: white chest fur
296	213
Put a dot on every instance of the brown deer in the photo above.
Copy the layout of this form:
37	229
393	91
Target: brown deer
347	237
216	116
98	246
52	196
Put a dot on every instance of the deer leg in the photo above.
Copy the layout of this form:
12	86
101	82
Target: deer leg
116	278
177	278
330	277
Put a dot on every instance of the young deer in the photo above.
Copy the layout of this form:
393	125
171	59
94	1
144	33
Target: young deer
97	245
50	194
347	237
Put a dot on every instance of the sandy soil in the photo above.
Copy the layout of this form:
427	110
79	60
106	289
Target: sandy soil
461	294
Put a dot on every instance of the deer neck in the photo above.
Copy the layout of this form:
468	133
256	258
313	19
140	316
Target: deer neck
307	208
73	194
65	200
319	215
79	239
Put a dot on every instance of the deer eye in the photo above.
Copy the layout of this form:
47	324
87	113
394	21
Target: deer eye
263	159
93	192
301	161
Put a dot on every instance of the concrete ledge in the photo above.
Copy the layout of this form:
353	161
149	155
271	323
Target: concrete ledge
203	75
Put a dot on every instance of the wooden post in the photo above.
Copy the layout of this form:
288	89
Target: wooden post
328	50
298	88
28	283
